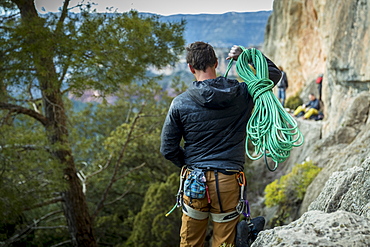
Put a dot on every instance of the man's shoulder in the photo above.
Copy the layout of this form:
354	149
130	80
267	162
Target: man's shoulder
180	100
181	96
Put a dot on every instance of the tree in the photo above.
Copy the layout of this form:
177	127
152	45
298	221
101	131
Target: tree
43	57
151	223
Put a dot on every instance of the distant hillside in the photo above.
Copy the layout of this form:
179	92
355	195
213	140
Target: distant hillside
224	30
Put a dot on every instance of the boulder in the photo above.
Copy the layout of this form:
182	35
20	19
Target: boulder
346	190
317	228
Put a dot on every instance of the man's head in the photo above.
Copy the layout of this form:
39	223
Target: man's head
200	56
311	96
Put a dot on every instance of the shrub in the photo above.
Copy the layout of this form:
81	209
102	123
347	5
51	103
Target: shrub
290	189
293	102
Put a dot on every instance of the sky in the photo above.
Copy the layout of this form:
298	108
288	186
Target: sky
165	7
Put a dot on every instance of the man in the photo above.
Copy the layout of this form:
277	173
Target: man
211	117
282	86
309	109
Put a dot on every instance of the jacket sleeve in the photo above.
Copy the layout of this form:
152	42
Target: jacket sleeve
171	137
286	80
274	72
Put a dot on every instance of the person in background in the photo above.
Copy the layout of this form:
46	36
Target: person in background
309	109
319	84
282	86
211	118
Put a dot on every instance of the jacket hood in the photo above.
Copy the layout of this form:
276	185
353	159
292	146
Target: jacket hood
215	93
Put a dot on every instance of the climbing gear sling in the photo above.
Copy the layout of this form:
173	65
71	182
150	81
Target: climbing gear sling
180	191
272	130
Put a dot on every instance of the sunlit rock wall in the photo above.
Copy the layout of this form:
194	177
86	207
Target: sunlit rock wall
309	37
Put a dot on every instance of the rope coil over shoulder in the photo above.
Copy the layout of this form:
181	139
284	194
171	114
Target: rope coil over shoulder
272	131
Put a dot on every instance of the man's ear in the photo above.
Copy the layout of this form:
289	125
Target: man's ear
216	64
192	70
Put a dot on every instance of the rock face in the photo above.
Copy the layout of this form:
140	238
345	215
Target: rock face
320	36
332	37
346	190
316	228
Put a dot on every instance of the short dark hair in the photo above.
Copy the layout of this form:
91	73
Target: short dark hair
200	55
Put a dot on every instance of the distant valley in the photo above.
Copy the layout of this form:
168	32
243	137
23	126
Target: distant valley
222	31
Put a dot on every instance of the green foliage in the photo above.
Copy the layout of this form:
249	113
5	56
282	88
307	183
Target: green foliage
287	193
290	189
61	53
152	227
293	102
133	125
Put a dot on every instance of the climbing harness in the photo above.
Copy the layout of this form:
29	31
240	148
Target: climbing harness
186	186
272	131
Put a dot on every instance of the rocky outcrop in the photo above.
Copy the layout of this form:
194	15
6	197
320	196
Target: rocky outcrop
346	147
320	36
316	228
346	190
340	216
309	37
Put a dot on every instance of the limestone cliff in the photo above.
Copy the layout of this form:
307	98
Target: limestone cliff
306	38
309	37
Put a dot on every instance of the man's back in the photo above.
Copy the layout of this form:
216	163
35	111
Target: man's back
213	116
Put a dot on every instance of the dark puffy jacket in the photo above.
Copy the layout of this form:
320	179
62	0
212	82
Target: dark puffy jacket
314	104
211	116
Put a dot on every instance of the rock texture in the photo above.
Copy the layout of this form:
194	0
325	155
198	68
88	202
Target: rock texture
346	190
346	147
316	228
309	37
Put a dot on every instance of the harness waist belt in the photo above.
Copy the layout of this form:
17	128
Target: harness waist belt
199	215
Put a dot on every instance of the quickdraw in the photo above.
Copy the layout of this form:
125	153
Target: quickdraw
243	205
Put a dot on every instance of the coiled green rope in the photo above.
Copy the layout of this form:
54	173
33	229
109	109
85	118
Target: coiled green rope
272	130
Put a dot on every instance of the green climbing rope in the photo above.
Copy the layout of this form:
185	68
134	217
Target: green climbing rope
272	131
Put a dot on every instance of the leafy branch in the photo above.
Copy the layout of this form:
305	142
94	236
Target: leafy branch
22	110
27	230
114	178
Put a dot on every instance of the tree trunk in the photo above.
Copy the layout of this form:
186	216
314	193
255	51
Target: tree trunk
75	206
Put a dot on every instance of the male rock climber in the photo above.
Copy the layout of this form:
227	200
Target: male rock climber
211	118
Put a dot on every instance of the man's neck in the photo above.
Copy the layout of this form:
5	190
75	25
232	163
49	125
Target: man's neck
210	73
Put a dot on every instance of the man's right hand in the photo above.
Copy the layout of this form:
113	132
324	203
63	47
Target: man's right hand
234	53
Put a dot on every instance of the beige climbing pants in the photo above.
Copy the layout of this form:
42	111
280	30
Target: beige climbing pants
193	231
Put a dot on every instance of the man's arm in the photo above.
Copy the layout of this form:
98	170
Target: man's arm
171	138
274	71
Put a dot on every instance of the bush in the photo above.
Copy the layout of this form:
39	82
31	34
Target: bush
151	227
293	102
290	189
